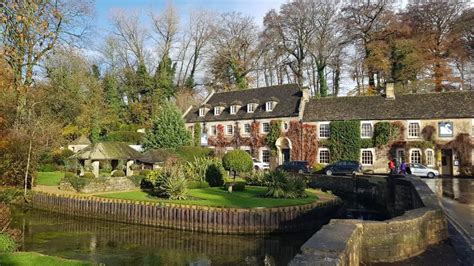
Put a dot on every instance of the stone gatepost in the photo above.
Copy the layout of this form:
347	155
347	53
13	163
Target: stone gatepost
95	168
128	170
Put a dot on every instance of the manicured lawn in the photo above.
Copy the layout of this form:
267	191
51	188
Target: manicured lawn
49	178
36	259
252	197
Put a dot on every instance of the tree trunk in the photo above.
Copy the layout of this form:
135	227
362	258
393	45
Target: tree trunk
28	168
323	85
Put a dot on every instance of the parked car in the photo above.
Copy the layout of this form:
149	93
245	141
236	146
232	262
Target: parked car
257	165
343	167
296	166
423	171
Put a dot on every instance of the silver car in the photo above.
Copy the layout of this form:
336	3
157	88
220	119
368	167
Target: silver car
424	171
257	165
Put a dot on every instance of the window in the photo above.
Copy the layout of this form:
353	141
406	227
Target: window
266	127
430	159
366	130
217	110
213	130
265	156
324	156
400	156
324	130
413	129
415	156
285	126
229	129
269	106
202	112
247	128
233	109
367	157
250	108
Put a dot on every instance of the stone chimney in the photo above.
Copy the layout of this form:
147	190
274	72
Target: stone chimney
389	90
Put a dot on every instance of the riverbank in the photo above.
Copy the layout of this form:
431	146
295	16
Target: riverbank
35	259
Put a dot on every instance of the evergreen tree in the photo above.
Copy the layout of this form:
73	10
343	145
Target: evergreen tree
168	129
164	78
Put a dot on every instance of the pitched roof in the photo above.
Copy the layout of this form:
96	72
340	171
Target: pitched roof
108	151
155	155
458	104
82	140
289	96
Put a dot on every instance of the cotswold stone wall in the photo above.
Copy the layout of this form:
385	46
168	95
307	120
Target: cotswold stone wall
101	185
349	242
192	218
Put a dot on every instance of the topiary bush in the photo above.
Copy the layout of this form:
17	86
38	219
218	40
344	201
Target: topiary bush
236	186
88	175
281	185
215	175
197	184
118	173
237	161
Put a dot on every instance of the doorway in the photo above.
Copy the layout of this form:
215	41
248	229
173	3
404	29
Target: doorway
286	155
284	150
447	162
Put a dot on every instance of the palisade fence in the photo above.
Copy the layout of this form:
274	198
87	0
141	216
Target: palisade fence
190	217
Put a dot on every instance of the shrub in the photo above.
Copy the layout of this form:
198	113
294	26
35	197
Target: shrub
236	186
189	153
196	169
281	185
10	195
68	175
106	167
256	178
78	183
88	175
171	184
118	173
47	167
197	184
145	172
136	179
150	179
60	157
7	244
215	176
237	161
125	136
318	167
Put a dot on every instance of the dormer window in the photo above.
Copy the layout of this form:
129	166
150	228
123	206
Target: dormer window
233	109
250	108
202	112
269	106
217	110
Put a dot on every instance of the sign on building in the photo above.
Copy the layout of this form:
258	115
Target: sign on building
445	129
204	140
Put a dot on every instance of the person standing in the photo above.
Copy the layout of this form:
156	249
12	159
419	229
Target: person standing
403	168
391	166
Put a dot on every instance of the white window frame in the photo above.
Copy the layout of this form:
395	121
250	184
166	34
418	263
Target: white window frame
397	153
269	155
250	107
213	131
319	129
233	109
202	112
372	151
408	129
227	130
286	126
319	155
263	127
428	158
411	155
250	129
371	130
269	106
217	110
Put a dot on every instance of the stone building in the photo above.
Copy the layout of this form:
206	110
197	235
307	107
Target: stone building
435	129
79	144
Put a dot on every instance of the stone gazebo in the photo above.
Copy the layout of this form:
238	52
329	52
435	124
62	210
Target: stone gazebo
114	152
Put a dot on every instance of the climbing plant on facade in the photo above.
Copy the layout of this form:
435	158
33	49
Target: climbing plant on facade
197	134
256	140
344	142
274	134
384	133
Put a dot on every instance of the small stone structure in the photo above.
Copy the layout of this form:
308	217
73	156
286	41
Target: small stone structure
350	242
101	185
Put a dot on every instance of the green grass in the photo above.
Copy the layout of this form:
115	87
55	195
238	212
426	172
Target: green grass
35	259
49	178
252	197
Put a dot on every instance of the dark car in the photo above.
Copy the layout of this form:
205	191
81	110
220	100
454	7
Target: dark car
296	166
343	167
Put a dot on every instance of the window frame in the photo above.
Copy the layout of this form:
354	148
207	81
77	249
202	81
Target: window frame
227	130
245	131
421	155
408	129
263	127
233	109
218	109
371	123
269	106
319	155
319	129
250	107
372	152
213	130
262	156
202	112
428	158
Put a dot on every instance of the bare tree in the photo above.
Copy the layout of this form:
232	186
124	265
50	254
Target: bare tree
165	25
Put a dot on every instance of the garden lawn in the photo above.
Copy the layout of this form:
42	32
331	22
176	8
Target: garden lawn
49	178
35	259
251	197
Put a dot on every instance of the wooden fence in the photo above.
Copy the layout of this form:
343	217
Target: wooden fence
189	217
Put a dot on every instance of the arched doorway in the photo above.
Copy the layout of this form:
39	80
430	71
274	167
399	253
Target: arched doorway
283	145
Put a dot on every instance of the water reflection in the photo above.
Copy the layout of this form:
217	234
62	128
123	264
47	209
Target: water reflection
461	190
123	244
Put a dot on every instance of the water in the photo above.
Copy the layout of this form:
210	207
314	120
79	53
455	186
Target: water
124	244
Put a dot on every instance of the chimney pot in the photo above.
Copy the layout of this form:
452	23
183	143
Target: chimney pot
390	90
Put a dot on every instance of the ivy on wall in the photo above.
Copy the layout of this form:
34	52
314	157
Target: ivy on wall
344	142
274	134
463	146
304	141
197	134
219	141
385	132
294	133
256	139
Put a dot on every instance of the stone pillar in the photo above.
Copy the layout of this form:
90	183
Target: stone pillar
128	170
95	168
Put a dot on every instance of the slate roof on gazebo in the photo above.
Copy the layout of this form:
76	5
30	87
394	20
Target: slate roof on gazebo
108	151
82	140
